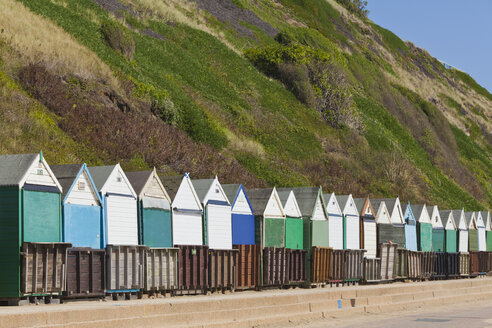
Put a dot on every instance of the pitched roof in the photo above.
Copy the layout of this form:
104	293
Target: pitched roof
259	198
138	180
284	196
417	211
468	218
390	203
172	183
430	209
445	213
231	191
202	186
13	168
66	174
376	203
342	200
100	174
359	203
306	198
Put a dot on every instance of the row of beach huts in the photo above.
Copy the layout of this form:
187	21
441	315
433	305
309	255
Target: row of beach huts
72	231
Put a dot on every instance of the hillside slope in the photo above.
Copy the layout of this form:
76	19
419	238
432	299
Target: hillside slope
246	90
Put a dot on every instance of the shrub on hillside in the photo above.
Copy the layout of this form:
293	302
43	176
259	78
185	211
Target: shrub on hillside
296	79
358	7
118	38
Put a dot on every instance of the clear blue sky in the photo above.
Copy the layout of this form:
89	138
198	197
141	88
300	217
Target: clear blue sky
458	32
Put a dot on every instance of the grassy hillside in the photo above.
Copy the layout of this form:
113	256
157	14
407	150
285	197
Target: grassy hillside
246	90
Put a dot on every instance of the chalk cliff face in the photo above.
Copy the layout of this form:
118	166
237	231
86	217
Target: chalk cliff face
259	92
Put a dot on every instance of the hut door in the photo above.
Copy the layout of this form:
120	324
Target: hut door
122	220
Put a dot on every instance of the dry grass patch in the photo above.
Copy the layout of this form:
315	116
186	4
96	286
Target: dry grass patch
38	40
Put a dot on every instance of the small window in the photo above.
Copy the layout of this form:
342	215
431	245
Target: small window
81	185
40	172
217	190
118	179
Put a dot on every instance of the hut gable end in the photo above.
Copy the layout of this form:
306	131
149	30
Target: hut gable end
82	191
332	206
40	174
216	193
291	208
274	206
186	197
319	213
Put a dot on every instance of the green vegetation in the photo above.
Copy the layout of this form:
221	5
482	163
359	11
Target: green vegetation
327	101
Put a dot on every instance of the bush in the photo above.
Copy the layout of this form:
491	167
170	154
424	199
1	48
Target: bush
357	7
118	38
296	79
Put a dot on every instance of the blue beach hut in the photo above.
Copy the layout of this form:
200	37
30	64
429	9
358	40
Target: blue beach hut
243	218
81	206
410	227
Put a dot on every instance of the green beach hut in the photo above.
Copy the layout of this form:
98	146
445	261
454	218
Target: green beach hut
154	209
293	219
424	228
450	231
269	217
471	222
438	238
488	230
30	211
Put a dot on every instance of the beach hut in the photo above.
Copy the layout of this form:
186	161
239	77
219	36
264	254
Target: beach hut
30	211
186	211
471	223
351	222
462	230
396	232
482	234
410	227
335	221
383	221
119	205
488	230
450	231
154	209
293	219
368	231
217	219
243	218
438	235
81	206
269	217
424	228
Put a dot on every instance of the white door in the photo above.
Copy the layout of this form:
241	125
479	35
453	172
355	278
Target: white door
353	232
463	240
187	228
370	243
335	232
122	220
482	244
219	226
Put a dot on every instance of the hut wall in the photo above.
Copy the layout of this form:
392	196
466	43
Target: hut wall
41	212
319	234
10	198
438	241
352	232
335	231
294	233
391	233
482	240
463	241
489	241
187	228
274	232
369	234
82	225
243	229
122	219
424	237
411	237
155	227
451	241
219	226
472	240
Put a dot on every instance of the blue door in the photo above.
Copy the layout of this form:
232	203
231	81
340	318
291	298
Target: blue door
82	225
243	229
411	237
